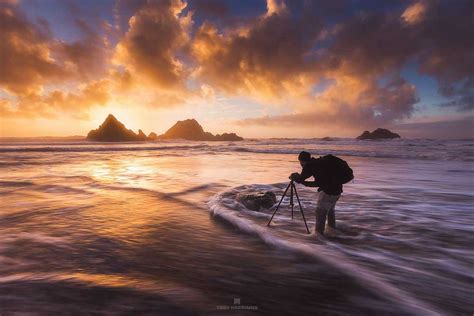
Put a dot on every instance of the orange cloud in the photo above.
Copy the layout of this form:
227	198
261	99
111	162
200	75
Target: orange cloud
32	62
25	55
148	49
369	49
346	73
415	12
267	58
276	7
57	101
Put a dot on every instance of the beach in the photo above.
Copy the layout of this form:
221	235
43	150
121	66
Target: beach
154	228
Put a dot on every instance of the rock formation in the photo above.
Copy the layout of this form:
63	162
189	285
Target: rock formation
379	133
255	201
114	131
152	136
191	130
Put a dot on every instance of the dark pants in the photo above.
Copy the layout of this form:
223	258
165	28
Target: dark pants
326	208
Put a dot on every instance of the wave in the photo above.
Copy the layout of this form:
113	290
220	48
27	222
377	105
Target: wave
100	149
455	150
403	154
223	206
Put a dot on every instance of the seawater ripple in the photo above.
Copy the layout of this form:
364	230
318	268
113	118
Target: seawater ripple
419	149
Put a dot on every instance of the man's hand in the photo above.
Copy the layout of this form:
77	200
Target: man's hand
295	177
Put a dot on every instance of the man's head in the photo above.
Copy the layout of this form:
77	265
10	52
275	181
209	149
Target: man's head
304	157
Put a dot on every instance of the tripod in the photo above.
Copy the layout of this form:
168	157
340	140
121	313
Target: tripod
292	188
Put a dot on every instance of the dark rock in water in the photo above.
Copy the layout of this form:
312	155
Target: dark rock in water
228	136
255	201
379	133
327	138
191	130
112	130
187	129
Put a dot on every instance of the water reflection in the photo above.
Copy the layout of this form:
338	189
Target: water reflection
138	224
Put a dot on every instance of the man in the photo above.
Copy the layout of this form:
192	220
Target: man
330	188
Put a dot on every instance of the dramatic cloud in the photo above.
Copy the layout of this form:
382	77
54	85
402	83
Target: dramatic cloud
57	101
303	61
149	48
447	39
368	106
368	49
415	12
31	60
454	128
25	54
266	59
210	8
276	7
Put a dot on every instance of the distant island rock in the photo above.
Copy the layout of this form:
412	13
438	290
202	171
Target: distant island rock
190	129
112	130
379	133
328	139
152	136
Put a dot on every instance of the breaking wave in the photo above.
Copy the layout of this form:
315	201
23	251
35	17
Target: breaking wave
375	258
421	149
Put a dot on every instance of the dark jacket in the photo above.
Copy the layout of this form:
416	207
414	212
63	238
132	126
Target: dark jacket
322	176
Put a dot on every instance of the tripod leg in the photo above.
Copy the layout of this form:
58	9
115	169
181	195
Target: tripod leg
292	205
301	209
282	197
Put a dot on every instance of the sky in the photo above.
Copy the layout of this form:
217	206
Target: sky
259	68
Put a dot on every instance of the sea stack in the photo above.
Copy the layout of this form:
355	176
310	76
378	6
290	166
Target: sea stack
379	133
112	130
190	129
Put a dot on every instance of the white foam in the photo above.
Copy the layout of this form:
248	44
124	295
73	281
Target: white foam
219	208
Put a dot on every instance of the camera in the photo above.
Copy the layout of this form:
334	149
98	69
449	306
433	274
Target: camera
295	176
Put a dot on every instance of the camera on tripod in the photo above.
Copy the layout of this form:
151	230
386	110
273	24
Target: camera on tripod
294	177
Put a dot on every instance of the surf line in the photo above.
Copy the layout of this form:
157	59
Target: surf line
338	261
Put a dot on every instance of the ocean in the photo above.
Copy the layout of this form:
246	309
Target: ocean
155	228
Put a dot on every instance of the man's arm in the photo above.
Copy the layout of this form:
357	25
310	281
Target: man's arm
310	183
305	174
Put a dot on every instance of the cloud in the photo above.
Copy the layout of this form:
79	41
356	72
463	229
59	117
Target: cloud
149	48
368	106
267	58
462	103
210	8
276	7
32	62
414	13
363	56
25	53
57	101
87	58
446	36
314	61
455	128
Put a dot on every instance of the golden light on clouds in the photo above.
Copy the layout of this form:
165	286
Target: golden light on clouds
415	12
279	63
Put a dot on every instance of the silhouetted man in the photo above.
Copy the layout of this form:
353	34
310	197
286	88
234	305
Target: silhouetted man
329	174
